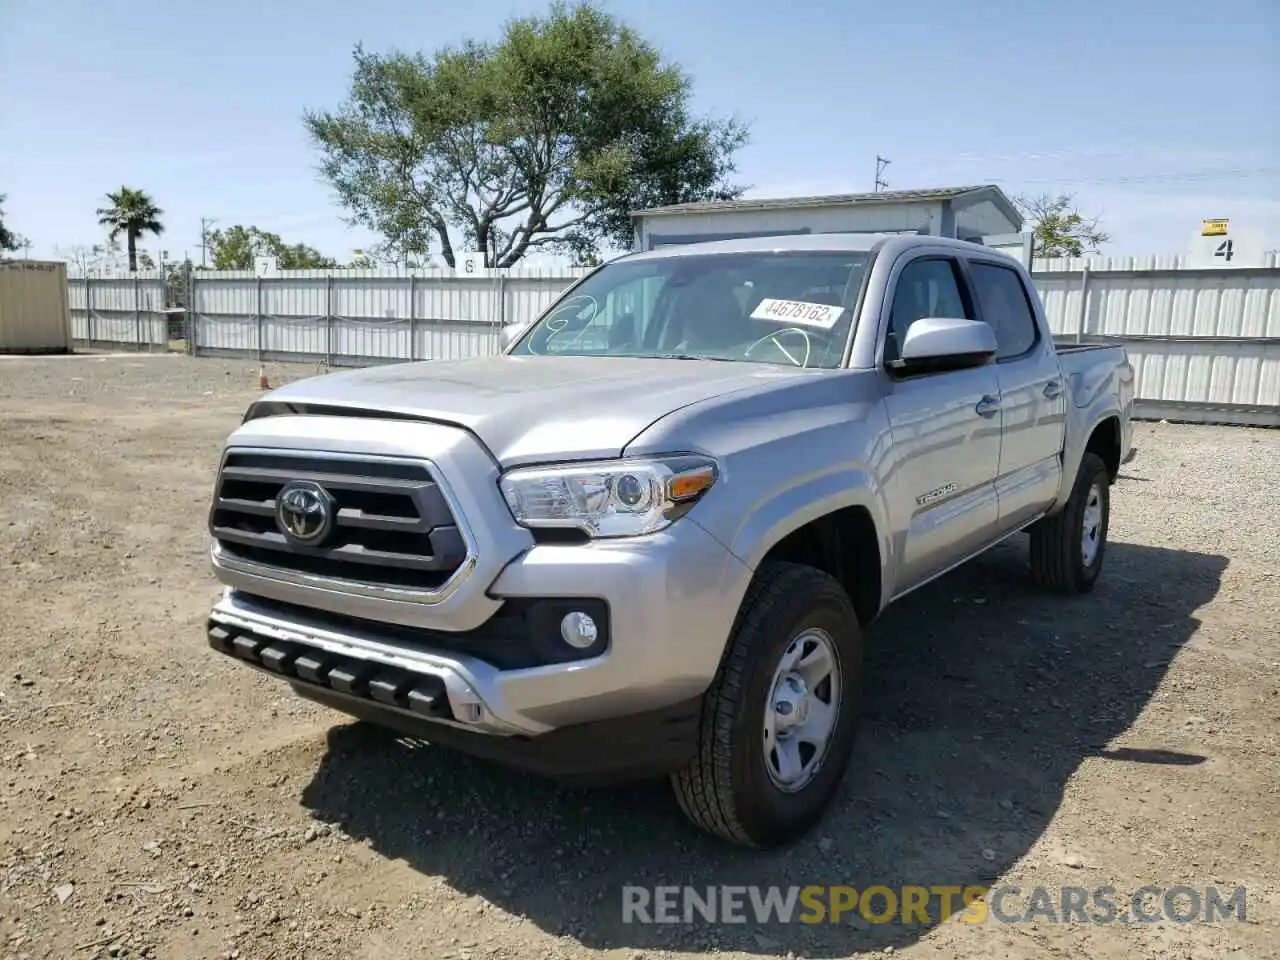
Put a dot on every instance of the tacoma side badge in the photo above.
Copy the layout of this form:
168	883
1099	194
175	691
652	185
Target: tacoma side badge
932	495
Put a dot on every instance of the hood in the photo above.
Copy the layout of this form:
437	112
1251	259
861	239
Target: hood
530	409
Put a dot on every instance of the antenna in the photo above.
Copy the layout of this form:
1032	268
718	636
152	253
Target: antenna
205	224
881	163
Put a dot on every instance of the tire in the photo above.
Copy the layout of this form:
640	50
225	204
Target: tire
1058	556
727	789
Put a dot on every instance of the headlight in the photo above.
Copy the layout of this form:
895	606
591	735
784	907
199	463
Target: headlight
613	498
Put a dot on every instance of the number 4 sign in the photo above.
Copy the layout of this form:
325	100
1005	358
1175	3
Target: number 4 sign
1243	247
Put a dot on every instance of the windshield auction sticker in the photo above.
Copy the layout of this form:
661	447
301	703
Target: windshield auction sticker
823	316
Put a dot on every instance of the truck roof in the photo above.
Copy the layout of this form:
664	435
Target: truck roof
831	242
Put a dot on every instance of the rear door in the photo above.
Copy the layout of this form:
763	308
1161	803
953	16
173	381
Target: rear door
945	432
1032	393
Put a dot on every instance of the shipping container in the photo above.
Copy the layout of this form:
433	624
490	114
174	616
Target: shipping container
34	315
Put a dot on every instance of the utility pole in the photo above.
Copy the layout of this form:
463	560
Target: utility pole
205	224
881	163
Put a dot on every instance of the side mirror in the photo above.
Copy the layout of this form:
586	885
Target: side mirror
508	335
943	343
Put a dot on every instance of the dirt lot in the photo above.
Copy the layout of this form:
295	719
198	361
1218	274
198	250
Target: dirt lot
158	800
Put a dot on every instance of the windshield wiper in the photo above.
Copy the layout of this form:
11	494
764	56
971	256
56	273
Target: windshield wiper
689	356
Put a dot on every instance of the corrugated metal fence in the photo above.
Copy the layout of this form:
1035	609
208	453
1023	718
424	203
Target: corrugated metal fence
1205	341
365	316
118	311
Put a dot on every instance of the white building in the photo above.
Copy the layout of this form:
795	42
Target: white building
979	213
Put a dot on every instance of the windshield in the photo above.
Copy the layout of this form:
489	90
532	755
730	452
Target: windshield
791	308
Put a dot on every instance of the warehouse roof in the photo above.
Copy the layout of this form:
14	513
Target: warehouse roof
969	194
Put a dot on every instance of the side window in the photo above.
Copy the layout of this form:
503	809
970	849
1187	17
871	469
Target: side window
1003	303
928	287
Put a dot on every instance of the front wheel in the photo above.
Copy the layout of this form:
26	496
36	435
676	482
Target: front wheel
1067	548
781	716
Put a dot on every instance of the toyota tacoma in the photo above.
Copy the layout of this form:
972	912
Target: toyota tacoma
647	538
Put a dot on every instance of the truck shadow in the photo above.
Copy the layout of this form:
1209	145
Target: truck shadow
984	696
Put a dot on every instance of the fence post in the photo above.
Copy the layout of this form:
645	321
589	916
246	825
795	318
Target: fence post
413	312
88	307
259	294
137	312
193	348
1084	304
502	312
328	320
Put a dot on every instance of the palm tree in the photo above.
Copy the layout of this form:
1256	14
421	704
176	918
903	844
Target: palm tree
132	213
8	239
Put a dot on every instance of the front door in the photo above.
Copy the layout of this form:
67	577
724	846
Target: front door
1032	395
946	435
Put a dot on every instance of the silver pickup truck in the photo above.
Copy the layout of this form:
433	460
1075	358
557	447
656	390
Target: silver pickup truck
648	538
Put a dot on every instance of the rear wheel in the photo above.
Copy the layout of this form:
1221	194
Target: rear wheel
1067	548
780	718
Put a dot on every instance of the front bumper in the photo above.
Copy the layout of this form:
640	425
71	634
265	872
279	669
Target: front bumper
440	707
671	600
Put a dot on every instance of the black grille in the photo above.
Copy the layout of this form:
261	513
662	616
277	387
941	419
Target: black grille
392	526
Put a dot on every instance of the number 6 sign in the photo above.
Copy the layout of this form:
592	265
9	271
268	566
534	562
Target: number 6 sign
471	264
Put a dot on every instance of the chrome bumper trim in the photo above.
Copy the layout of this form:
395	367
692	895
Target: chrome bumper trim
463	678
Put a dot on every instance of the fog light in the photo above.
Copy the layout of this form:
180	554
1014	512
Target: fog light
579	630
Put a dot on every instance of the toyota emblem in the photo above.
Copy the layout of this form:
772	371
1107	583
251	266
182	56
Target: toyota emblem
305	512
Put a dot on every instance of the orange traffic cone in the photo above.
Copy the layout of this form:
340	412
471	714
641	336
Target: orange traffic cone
262	380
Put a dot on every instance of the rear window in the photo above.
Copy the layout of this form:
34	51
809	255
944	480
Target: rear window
1004	304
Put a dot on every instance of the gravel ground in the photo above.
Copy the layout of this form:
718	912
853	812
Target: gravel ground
157	800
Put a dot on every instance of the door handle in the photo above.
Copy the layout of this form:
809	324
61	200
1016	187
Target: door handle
1052	390
988	406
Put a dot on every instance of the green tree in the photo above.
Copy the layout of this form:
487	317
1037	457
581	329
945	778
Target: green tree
548	138
8	239
133	213
388	254
235	247
1060	229
177	278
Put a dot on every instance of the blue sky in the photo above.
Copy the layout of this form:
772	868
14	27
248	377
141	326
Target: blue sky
1156	114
